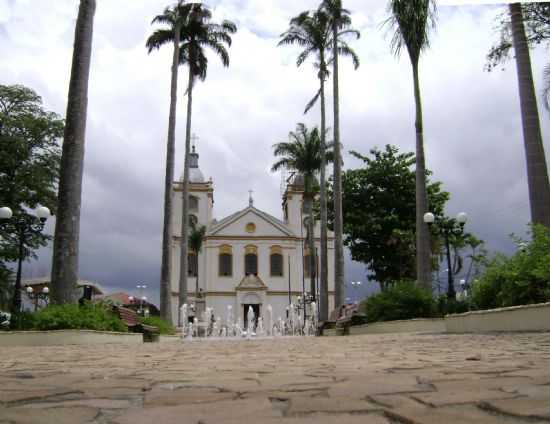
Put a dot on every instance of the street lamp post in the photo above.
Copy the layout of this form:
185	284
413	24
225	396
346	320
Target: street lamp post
25	226
302	302
141	287
447	227
35	297
356	285
141	308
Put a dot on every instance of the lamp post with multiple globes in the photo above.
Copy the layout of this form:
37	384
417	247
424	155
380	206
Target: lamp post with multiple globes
25	226
446	227
356	285
38	295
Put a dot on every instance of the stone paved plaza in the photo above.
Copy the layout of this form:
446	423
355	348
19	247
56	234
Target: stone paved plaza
358	379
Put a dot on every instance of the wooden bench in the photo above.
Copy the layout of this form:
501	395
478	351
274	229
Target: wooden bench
131	319
347	316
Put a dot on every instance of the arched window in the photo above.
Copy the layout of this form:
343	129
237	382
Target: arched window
193	221
193	264
225	268
193	203
276	261
250	260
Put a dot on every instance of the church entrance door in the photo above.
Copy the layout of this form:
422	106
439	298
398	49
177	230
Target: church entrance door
255	308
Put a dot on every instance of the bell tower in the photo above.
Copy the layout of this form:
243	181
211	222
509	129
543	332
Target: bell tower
293	202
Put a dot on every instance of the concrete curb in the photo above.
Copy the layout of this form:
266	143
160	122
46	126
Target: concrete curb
524	318
66	337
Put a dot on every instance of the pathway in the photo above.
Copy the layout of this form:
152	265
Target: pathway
359	379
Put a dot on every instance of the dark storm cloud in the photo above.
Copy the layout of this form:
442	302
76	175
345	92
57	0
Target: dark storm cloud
473	133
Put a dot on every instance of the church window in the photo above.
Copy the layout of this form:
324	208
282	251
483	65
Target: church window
225	261
193	203
192	265
251	260
276	261
250	227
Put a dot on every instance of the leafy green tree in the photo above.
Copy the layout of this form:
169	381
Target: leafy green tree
196	237
312	31
340	22
523	278
525	27
6	287
379	218
303	154
477	256
412	20
536	19
402	300
197	34
67	226
465	251
173	17
30	156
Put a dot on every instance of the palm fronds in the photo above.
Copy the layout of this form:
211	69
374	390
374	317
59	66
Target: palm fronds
412	21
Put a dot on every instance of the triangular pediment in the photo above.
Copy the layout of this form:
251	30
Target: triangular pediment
250	222
251	282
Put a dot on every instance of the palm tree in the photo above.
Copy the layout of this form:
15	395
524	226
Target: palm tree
312	32
412	20
173	17
197	34
67	228
340	23
537	172
304	154
195	244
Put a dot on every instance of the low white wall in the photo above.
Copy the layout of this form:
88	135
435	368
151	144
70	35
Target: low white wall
170	339
420	325
66	337
515	318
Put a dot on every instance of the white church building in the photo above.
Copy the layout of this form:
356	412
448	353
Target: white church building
249	258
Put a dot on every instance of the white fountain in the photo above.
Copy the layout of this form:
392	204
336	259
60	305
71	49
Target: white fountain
260	330
269	324
250	321
195	327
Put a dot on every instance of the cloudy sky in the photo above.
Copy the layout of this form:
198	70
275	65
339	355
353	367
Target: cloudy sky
473	135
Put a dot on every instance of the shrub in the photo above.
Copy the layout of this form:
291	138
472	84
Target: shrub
402	300
87	316
163	326
445	306
22	321
521	279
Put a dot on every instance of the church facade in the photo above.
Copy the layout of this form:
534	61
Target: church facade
248	258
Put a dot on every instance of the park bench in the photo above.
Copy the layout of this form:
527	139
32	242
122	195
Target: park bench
131	319
347	316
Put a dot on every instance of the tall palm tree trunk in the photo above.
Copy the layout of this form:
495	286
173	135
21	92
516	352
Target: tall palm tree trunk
537	172
323	189
197	276
308	205
339	287
166	265
67	229
423	258
184	265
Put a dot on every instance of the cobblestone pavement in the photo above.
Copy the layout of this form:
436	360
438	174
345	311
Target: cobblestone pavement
359	379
